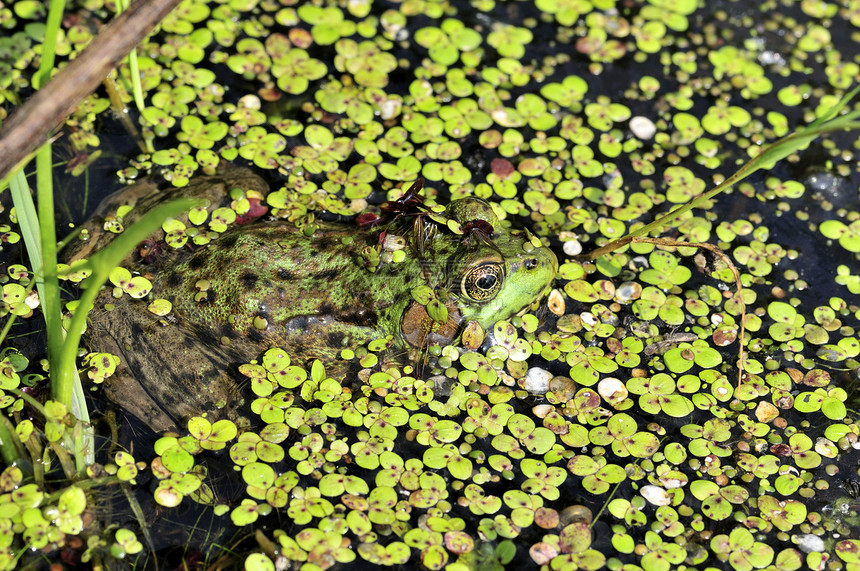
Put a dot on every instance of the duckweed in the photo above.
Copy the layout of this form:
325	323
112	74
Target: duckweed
533	108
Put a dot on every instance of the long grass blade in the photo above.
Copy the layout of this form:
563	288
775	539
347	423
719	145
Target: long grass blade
42	251
827	123
49	294
49	47
101	265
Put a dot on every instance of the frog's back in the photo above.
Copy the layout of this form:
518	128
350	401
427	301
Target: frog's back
264	283
147	194
257	286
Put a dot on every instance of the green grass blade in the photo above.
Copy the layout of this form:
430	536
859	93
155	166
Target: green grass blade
834	111
25	209
11	448
134	73
827	123
40	242
31	232
52	26
49	294
101	265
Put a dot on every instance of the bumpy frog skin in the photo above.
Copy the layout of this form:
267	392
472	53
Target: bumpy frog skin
268	284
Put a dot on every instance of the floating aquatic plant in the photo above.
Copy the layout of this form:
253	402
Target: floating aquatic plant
482	459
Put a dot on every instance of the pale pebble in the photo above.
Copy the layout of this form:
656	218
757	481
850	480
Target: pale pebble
537	381
642	127
656	495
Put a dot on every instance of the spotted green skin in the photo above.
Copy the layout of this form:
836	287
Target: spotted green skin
269	284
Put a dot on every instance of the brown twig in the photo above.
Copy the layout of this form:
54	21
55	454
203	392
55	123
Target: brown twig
31	124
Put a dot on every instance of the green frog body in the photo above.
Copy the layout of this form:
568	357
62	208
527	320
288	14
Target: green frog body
313	292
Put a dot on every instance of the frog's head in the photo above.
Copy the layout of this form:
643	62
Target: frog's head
498	272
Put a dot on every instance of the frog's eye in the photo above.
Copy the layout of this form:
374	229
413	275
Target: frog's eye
483	281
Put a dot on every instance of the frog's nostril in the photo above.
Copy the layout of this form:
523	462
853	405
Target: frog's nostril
531	263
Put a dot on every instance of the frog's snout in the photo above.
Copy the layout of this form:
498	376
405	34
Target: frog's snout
536	272
544	261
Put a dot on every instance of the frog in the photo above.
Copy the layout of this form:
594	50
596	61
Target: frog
313	291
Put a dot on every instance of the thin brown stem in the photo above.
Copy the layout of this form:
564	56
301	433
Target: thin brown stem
722	255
